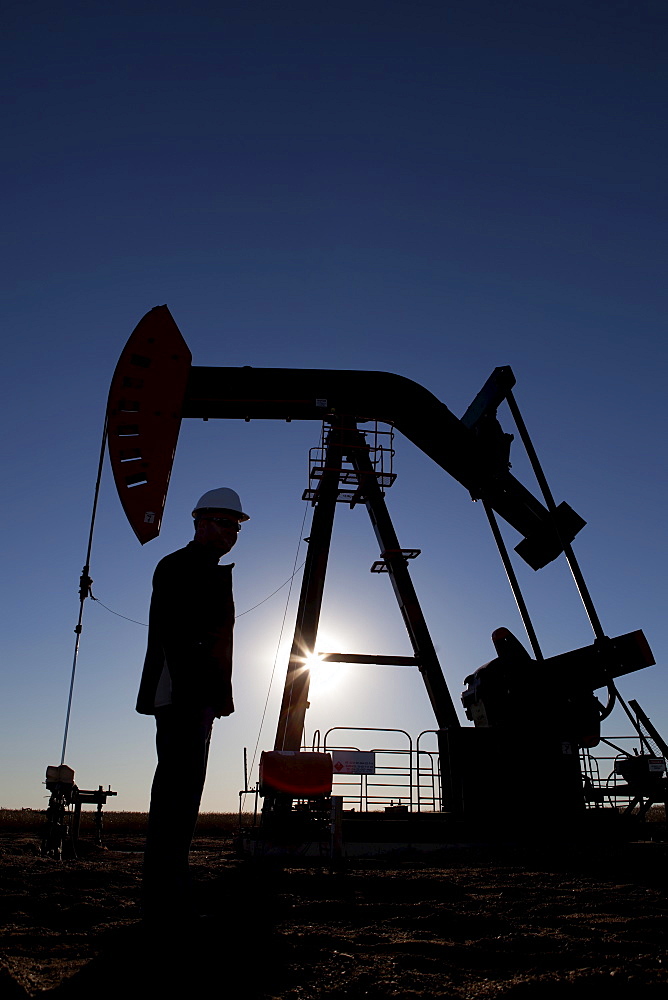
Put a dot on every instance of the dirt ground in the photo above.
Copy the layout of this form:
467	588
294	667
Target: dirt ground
468	923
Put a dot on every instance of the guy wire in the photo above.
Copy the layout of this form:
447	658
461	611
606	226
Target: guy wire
85	584
240	615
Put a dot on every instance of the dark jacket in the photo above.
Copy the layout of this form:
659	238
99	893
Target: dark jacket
190	629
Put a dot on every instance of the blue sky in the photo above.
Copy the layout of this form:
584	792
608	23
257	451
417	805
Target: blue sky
433	189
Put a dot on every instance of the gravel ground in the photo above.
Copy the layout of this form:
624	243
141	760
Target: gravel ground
467	923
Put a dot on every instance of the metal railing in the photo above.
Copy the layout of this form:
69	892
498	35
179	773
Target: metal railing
408	776
598	771
428	776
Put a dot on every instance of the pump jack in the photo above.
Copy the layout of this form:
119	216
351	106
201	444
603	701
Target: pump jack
155	386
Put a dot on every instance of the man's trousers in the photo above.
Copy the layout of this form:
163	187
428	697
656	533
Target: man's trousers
182	742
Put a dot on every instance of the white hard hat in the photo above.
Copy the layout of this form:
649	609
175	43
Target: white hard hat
221	499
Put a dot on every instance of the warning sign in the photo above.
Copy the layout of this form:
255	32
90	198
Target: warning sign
354	761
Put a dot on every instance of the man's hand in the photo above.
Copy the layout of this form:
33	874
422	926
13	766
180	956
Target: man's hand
226	707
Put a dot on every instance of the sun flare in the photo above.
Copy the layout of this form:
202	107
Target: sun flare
325	676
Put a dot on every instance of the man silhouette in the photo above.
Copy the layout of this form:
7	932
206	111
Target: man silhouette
186	684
